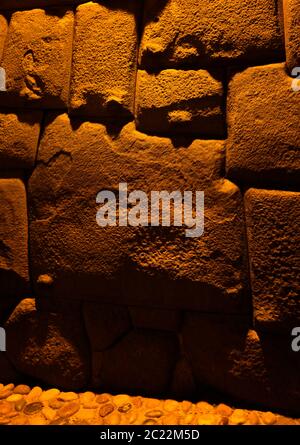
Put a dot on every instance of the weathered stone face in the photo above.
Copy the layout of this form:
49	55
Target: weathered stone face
176	101
241	362
133	265
14	280
48	346
291	14
104	59
273	220
201	32
263	144
19	135
3	33
37	59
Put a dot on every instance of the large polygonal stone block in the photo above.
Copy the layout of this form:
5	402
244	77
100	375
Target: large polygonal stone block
249	365
291	14
201	32
14	281
145	266
104	59
47	346
37	58
273	221
19	136
3	33
177	101
263	144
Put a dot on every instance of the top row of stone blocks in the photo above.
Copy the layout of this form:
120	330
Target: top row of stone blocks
93	71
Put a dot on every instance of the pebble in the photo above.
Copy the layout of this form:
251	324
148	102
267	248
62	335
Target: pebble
68	396
171	405
9	387
34	394
50	395
210	419
224	410
102	398
121	399
125	408
152	403
4	393
21	419
154	413
68	409
137	401
5	408
268	418
253	419
22	389
238	417
204	407
186	406
49	413
15	398
56	404
150	422
170	419
20	405
33	408
105	410
113	419
188	419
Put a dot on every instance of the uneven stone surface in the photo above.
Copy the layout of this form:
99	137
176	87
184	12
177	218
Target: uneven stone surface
104	59
105	409
133	265
48	346
199	32
105	324
151	318
180	102
28	4
291	14
19	134
37	58
3	33
145	359
14	281
245	364
260	149
273	221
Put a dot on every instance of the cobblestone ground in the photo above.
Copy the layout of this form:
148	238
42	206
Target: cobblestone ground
22	405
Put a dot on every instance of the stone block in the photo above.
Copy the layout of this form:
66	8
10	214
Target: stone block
273	221
104	59
37	59
14	280
263	145
202	32
19	136
144	266
177	101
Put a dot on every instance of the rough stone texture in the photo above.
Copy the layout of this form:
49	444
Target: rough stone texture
261	149
135	265
176	101
183	383
141	361
14	281
28	4
273	221
47	346
243	363
19	135
37	58
104	59
105	324
291	14
151	318
3	33
199	32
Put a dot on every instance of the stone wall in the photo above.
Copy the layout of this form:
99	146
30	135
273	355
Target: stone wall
163	95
